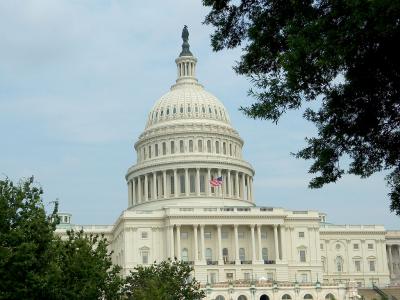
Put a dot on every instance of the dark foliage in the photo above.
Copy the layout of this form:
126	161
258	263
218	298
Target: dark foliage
343	54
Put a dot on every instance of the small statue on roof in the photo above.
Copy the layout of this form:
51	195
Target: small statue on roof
185	45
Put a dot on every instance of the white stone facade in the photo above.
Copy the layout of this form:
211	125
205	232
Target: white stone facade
238	250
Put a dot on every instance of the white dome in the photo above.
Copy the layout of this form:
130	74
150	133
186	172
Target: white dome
187	101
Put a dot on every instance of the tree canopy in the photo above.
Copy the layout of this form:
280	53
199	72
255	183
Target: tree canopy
343	54
167	280
37	264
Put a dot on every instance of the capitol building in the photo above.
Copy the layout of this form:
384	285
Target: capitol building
191	197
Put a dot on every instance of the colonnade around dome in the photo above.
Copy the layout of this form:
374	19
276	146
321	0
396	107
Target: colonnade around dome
189	182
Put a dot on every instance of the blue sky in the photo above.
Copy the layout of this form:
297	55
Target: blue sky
77	79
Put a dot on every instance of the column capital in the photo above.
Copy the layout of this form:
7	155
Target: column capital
235	226
252	226
201	225
219	225
178	226
197	169
195	225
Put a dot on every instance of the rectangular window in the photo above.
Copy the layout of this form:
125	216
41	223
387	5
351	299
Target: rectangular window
356	246
145	235
200	146
302	254
357	265
321	246
224	147
172	147
241	235
224	235
164	148
149	151
270	276
184	235
172	185
217	147
182	183
264	254
213	277
372	266
202	184
156	150
192	184
264	235
229	276
304	278
207	235
301	234
370	246
246	276
190	145
242	254
145	257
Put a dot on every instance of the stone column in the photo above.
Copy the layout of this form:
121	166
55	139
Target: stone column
196	247
259	242
390	260
178	242
203	258
165	184
276	243
237	258
154	185
282	234
171	241
219	188
186	182
220	256
198	181
140	200
146	188
237	190
134	200
176	193
243	186
130	193
253	245
208	182
229	184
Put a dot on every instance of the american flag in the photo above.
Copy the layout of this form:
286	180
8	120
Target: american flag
216	181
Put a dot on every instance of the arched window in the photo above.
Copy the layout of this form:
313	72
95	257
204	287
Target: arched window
339	264
174	111
162	112
167	111
217	147
308	296
156	150
242	297
196	109
181	110
203	109
209	110
185	254
242	254
181	146
190	145
149	151
286	297
224	147
172	150
329	297
219	297
208	254
164	148
209	146
188	109
200	146
265	254
264	297
182	183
